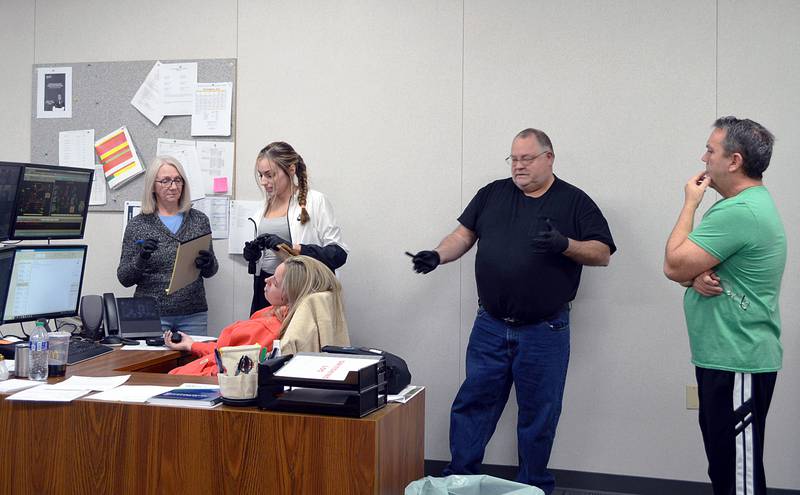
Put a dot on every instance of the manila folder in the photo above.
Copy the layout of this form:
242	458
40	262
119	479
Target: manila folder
184	271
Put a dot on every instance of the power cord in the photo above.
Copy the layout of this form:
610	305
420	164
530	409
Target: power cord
66	324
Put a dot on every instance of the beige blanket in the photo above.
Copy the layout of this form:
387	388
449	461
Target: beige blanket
312	326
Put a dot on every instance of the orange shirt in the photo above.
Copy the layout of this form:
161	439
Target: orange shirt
262	328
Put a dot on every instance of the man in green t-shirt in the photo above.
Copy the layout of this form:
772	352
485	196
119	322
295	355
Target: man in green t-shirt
732	264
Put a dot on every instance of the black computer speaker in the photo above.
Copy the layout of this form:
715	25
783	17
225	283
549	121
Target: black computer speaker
91	313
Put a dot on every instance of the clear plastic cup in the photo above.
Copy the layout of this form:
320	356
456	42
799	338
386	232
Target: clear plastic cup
58	343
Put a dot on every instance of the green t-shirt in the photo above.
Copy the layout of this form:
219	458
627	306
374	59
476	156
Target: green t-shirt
740	329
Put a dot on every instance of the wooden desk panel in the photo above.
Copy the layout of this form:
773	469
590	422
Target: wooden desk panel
103	447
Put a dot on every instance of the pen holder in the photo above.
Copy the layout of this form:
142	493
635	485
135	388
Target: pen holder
238	385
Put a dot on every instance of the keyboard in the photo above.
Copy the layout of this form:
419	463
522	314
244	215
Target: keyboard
81	350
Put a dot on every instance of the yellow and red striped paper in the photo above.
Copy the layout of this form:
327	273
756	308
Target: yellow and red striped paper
118	156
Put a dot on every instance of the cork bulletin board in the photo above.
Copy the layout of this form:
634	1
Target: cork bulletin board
101	100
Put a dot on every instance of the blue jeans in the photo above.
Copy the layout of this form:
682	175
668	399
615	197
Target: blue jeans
193	324
534	359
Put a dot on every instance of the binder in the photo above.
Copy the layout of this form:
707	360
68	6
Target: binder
184	271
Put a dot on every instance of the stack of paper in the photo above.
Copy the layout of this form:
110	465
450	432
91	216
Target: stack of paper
323	367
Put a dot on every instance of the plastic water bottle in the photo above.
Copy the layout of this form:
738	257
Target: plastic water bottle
3	369
39	352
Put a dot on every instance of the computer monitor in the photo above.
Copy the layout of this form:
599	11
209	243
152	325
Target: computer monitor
40	281
138	317
52	202
10	174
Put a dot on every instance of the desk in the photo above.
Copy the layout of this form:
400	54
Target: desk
108	447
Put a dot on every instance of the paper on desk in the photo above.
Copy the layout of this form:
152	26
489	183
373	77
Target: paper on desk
130	393
406	394
323	367
211	112
76	148
15	384
88	383
48	393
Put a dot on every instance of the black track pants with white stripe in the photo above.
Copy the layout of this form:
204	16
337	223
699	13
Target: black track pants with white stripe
733	415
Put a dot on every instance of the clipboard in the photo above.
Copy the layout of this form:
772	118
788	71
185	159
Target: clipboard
184	271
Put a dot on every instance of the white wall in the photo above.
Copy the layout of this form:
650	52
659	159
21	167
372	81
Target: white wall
402	110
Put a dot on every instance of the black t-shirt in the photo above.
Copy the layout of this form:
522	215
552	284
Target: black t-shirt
512	280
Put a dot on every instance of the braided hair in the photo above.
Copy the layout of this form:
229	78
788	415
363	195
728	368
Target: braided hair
284	156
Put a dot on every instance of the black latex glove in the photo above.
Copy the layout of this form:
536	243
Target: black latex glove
251	252
148	246
203	260
426	261
271	241
549	241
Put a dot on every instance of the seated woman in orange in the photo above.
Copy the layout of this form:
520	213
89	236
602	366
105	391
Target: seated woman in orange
290	292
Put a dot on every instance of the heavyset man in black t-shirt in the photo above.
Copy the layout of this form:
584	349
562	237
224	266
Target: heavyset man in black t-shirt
534	233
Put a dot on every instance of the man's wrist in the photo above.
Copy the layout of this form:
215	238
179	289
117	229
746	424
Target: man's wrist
691	205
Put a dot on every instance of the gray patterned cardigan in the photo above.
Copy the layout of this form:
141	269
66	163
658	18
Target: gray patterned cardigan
152	276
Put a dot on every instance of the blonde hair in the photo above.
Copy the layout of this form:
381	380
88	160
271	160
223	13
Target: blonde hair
284	156
304	276
149	201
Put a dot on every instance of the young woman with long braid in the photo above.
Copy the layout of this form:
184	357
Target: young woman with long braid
292	214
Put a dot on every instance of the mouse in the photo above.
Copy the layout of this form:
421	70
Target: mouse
111	340
155	341
176	337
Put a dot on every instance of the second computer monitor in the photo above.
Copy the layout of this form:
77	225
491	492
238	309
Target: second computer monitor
10	174
52	202
40	281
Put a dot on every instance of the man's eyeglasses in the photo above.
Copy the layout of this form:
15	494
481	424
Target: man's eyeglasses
168	182
739	299
525	159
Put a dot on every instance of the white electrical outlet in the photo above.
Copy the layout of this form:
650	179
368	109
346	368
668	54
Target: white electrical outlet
692	400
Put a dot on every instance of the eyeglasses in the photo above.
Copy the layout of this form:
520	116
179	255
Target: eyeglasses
168	182
524	160
739	299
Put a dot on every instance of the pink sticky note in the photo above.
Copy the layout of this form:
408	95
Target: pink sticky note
220	184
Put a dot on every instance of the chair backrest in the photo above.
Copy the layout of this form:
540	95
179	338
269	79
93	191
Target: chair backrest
313	326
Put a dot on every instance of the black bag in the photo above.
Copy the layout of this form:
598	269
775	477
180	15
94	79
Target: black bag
397	375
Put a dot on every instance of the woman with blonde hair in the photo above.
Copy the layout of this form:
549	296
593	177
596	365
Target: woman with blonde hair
299	218
316	315
151	240
305	313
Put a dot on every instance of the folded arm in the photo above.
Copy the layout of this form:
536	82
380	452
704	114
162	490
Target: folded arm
683	259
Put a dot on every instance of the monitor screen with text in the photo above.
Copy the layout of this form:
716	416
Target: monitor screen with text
44	282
